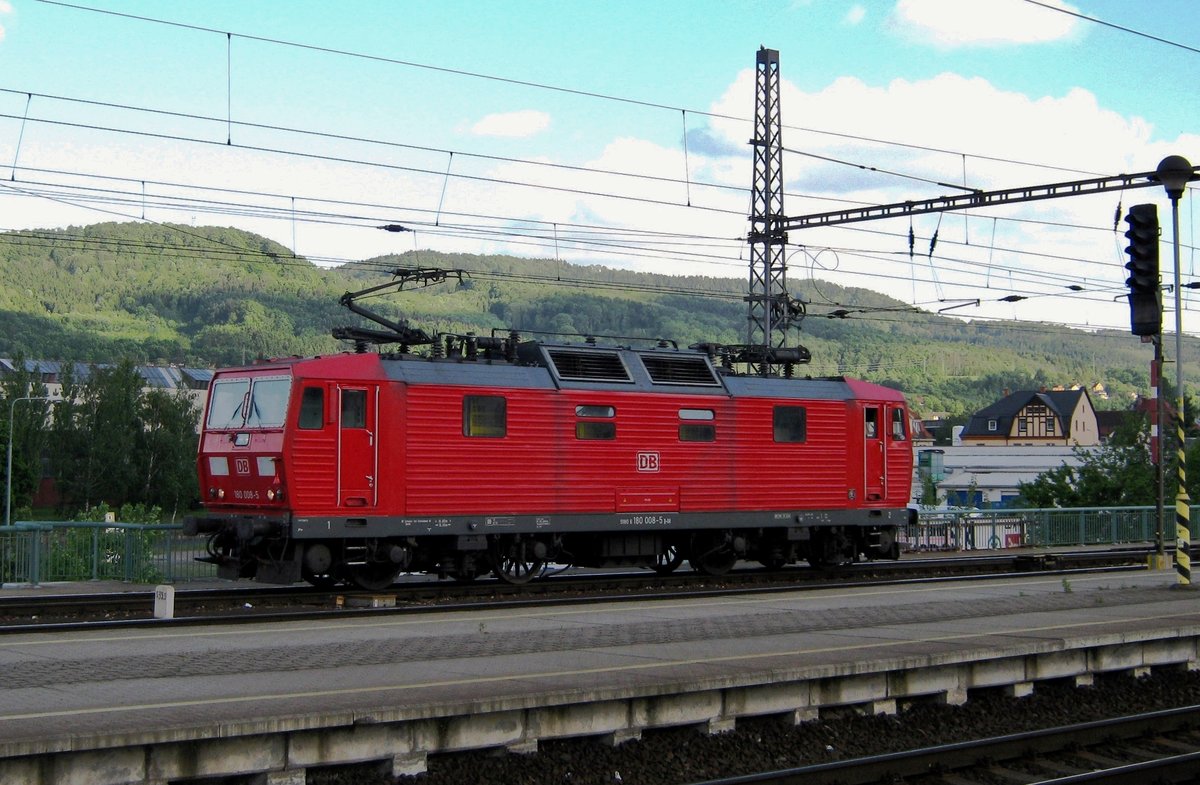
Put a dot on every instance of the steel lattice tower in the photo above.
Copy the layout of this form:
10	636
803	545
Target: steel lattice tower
771	311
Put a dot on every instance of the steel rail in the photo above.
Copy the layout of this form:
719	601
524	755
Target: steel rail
931	764
241	603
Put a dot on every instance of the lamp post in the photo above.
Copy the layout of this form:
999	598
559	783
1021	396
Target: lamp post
8	474
1174	172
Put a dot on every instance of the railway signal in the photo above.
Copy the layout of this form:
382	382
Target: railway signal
1145	294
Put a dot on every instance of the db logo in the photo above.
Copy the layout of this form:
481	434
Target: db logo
242	465
647	462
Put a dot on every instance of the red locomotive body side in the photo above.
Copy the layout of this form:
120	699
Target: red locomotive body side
375	464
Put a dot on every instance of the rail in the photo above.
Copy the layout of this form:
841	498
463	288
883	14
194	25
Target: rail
33	552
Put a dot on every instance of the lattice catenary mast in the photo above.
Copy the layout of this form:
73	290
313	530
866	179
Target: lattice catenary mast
772	312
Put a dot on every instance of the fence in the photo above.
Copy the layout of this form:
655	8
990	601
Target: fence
81	551
991	529
142	553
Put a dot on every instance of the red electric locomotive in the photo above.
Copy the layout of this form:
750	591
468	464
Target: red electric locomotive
495	454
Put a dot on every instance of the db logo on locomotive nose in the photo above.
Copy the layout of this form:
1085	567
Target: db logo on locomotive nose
647	462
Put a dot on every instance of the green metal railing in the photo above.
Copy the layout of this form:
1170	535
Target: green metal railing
1046	528
44	551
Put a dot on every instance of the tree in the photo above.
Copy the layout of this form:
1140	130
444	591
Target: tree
1118	474
167	451
929	491
28	429
96	432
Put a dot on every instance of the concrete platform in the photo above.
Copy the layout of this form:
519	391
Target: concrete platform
159	705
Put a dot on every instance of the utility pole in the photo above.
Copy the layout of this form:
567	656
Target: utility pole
8	474
1174	172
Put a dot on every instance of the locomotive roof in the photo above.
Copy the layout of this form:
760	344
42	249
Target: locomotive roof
584	367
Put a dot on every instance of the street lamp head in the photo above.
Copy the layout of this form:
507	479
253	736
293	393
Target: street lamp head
1174	172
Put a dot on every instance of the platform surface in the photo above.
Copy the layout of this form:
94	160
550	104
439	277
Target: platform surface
67	690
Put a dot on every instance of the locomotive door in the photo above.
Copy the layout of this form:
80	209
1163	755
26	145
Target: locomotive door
898	452
874	456
358	446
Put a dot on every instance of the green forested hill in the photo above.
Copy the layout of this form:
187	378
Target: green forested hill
211	296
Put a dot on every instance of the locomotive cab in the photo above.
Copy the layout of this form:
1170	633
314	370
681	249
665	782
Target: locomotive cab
242	452
240	463
286	454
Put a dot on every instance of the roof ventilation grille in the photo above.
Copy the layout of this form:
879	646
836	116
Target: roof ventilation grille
677	369
593	366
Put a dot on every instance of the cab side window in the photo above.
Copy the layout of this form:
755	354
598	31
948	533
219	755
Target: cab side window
697	425
354	408
791	424
599	424
312	409
871	422
485	415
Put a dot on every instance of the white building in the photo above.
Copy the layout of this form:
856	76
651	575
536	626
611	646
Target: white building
988	476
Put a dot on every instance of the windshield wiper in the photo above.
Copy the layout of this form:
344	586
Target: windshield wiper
230	421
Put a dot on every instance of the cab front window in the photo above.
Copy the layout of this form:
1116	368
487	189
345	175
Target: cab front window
227	403
259	402
268	403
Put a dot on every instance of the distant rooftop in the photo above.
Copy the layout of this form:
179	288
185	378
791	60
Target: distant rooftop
166	377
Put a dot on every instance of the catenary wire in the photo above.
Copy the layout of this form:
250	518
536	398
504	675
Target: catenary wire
411	64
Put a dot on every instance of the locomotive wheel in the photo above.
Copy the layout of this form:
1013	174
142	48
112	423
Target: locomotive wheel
323	580
712	554
773	555
467	569
773	562
668	560
515	562
830	549
374	576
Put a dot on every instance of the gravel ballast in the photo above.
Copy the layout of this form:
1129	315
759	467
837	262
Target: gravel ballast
679	756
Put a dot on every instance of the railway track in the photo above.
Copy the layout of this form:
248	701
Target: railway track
1157	747
245	603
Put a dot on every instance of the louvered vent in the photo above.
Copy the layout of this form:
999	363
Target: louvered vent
588	366
678	369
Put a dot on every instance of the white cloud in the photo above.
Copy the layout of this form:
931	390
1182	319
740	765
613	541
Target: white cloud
957	23
5	8
520	124
959	128
855	15
484	205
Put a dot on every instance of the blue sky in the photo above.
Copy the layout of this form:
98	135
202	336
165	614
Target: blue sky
990	93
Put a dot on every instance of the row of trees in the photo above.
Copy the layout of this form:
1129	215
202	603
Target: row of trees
1120	473
107	440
